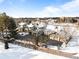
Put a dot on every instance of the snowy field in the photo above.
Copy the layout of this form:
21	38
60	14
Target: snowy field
73	45
18	52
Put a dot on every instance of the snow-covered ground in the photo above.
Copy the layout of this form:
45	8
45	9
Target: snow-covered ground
18	52
73	45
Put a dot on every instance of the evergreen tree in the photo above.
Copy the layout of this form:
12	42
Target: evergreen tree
7	25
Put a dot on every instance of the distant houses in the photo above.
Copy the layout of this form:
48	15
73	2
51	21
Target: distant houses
59	29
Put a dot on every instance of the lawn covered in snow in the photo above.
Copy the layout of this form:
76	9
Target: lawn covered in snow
18	52
73	45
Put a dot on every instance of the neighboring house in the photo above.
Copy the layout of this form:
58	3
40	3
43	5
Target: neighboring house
21	26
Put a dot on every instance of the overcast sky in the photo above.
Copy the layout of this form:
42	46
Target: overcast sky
40	8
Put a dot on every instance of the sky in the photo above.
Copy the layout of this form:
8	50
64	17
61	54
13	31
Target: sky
40	8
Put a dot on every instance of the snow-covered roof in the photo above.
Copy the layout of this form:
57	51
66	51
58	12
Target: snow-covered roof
54	28
30	25
22	23
50	27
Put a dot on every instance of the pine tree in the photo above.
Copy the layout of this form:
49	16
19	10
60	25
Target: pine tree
7	25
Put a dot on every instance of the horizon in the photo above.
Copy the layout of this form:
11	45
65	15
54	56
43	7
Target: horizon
40	8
